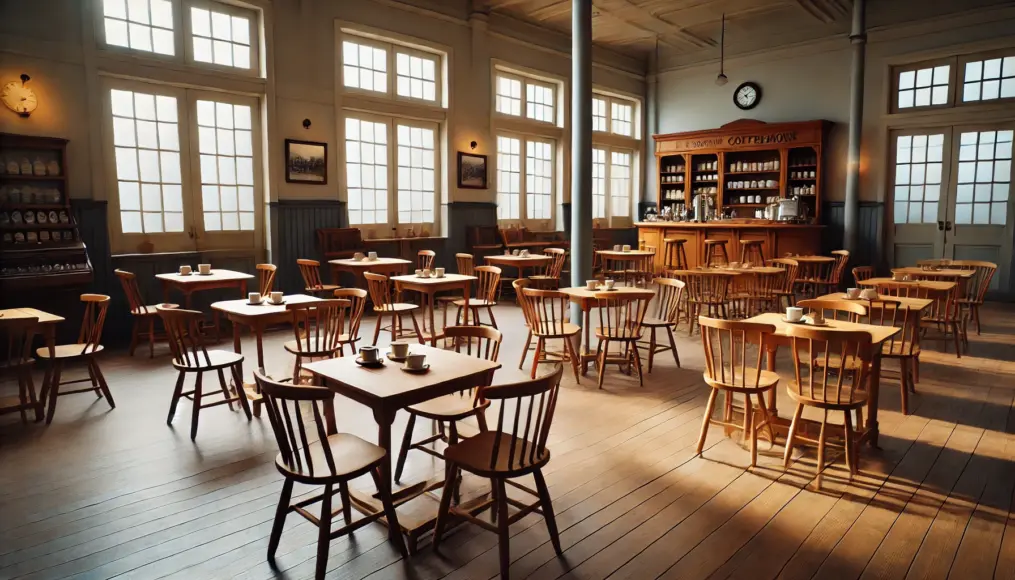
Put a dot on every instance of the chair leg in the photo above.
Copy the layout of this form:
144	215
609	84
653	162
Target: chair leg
637	362
151	337
415	326
406	443
540	345
343	493
525	350
547	506
673	347
324	534
54	390
904	371
241	393
503	529
176	398
749	429
821	444
377	329
196	411
573	355
102	382
493	321
788	454
605	346
848	434
225	387
709	408
280	513
651	347
957	336
444	511
976	316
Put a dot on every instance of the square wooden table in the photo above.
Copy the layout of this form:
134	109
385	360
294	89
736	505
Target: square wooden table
520	263
385	266
879	334
586	301
429	287
917	271
935	285
911	303
384	391
195	282
46	326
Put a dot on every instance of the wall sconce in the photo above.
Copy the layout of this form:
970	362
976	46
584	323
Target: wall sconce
472	145
306	123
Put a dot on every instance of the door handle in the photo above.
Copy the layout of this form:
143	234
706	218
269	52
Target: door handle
940	226
948	226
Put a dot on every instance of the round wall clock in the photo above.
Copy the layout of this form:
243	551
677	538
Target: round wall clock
18	97
747	95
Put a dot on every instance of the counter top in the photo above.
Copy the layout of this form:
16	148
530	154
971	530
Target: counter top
726	225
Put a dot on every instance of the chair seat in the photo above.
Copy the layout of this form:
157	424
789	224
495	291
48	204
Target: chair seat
220	359
765	379
541	277
900	349
474	454
140	310
67	351
475	302
351	455
446	408
396	307
315	346
558	329
621	333
656	322
859	398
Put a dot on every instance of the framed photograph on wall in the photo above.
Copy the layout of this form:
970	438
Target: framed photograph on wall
471	171
306	162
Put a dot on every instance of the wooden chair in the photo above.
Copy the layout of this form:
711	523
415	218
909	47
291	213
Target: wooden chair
846	310
640	269
87	346
814	278
16	335
141	313
191	356
674	254
518	286
550	278
787	286
904	346
758	292
357	298
317	331
385	307
861	273
715	253
265	278
834	282
620	321
669	299
311	272
933	262
727	369
466	267
425	259
707	293
546	313
516	448
976	288
309	456
837	386
902	289
448	410
752	252
486	295
944	315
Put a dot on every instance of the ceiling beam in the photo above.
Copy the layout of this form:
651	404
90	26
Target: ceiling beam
825	11
644	20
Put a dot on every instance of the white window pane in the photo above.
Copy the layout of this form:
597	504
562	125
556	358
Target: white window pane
116	32
228	195
173	221
162	41
246	221
115	8
241	30
225	142
206	140
126	163
221	26
137	11
206	113
245	171
223	52
244	146
906	99
123	132
151	197
241	56
147	134
922	98
130	222
152	222
148	164
200	22
246	198
907	80
227	170
130	195
939	95
172	197
924	77
212	222
210	197
971	92
209	169
974	71
169	163
140	36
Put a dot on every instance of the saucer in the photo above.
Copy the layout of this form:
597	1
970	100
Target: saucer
605	289
419	371
370	365
181	274
208	274
263	300
391	356
788	321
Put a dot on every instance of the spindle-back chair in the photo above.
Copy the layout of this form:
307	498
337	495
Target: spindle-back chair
266	278
669	301
140	312
549	279
787	285
486	295
317	331
357	298
425	259
311	272
905	345
547	313
386	307
976	288
861	273
847	310
707	293
621	315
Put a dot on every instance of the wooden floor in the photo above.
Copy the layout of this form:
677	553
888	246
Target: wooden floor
102	494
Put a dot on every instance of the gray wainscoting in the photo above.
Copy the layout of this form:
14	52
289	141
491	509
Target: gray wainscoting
870	243
294	225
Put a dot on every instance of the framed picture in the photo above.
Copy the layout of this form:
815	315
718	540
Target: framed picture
306	162
471	171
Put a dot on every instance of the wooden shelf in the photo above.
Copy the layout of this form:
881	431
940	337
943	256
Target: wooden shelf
11	177
754	205
803	178
752	172
706	181
671	173
23	226
27	206
733	189
792	167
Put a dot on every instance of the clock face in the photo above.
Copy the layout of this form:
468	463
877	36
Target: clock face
19	98
747	96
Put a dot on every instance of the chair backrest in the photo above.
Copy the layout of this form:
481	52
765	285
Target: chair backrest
318	325
668	297
726	344
888	311
703	286
129	282
183	330
266	278
861	273
520	285
841	261
556	265
425	259
465	264
977	286
487	339
17	335
902	289
525	415
92	321
621	314
847	310
830	365
790	268
379	288
488	283
283	402
548	310
358	300
762	284
311	272
931	262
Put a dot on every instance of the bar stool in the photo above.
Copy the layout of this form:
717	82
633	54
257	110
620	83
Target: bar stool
712	250
751	252
674	254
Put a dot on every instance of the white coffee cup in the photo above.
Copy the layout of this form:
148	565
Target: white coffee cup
439	272
368	354
254	297
426	272
185	270
852	293
372	255
415	361
204	269
626	248
358	256
524	253
794	313
592	284
399	349
515	252
616	247
609	284
419	273
276	297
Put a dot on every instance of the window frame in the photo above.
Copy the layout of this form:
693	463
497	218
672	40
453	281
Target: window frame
231	10
963	60
523	149
526	79
610	99
896	73
392	47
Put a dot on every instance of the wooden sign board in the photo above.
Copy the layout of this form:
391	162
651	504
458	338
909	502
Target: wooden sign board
744	135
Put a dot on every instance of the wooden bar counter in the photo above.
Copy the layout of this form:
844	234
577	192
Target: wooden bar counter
777	238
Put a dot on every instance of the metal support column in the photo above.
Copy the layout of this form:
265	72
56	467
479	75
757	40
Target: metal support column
858	37
581	146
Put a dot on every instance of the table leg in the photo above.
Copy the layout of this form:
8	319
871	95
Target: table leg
50	330
165	292
384	420
466	292
587	331
872	399
429	295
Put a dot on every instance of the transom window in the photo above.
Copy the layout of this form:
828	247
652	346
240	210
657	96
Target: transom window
539	102
145	25
924	87
417	77
984	177
599	121
509	96
989	79
524	189
367	65
221	38
613	115
540	97
611	183
364	67
918	178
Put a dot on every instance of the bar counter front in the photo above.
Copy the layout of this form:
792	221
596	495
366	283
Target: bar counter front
777	238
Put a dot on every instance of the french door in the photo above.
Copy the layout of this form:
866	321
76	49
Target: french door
951	195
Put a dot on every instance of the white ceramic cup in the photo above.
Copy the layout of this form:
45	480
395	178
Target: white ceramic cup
372	255
358	256
185	270
616	247
609	284
426	272
204	269
852	293
626	248
592	284
368	353
794	313
439	272
254	297
399	349
419	273
524	253
415	361
276	297
515	252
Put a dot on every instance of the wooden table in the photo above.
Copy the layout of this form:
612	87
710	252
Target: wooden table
384	391
46	326
257	318
936	285
196	282
521	263
911	303
429	287
586	300
917	271
404	244
385	266
812	259
879	334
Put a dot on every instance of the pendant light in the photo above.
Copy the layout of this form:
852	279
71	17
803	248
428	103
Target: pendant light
721	79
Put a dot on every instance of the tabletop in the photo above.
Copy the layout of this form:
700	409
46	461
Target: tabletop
513	258
389	382
433	280
623	254
243	307
915	270
939	285
911	303
196	278
584	293
754	270
44	317
365	263
812	259
878	333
